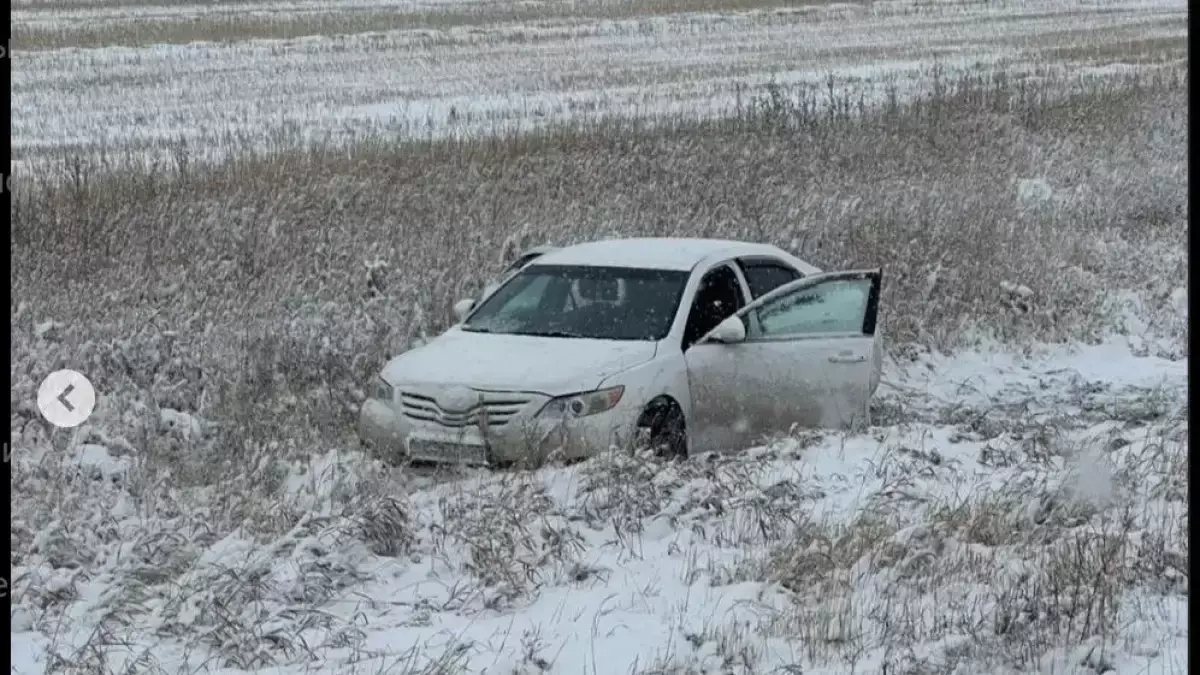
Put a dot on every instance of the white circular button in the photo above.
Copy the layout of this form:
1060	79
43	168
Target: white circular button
66	398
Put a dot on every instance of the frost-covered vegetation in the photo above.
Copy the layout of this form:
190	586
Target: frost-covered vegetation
1016	507
184	84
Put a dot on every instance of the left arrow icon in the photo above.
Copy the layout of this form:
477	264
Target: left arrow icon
66	398
62	398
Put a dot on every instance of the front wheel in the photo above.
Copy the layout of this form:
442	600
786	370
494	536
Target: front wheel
666	431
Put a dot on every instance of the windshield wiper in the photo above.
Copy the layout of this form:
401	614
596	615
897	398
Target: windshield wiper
549	333
531	333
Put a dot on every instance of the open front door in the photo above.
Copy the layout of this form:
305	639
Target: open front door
810	358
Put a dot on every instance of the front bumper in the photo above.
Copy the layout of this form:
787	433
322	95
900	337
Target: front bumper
395	437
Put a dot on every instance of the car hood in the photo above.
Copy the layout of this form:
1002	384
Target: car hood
550	366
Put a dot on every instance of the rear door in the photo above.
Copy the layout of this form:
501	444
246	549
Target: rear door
810	359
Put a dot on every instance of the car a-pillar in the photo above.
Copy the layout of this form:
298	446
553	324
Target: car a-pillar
663	425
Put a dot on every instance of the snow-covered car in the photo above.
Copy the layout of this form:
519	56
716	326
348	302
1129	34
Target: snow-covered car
685	344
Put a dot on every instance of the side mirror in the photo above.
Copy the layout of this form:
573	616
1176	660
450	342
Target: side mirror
463	307
728	331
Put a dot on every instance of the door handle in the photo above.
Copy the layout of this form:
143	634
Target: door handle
846	358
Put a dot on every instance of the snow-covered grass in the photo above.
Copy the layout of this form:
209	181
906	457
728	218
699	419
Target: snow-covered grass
87	23
74	23
1020	504
999	206
210	99
1005	514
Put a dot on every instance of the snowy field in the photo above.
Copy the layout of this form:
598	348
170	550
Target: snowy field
1018	167
1006	514
206	100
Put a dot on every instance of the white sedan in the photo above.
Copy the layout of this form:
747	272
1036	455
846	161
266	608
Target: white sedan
686	344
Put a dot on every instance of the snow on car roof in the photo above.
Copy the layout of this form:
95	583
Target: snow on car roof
651	253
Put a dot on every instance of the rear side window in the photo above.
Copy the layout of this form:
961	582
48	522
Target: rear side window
764	276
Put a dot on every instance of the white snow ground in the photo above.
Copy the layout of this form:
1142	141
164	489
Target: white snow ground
204	100
1009	513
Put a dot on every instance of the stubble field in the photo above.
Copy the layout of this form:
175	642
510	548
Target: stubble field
194	226
228	93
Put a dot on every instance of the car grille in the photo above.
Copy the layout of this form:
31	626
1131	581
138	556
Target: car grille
500	408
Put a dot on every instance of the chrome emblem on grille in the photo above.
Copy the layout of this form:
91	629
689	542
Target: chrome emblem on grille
458	399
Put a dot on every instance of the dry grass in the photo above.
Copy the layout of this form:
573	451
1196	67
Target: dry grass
1002	578
924	578
1143	50
927	577
919	580
904	186
209	101
282	25
237	294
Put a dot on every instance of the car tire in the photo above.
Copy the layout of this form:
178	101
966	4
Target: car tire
667	430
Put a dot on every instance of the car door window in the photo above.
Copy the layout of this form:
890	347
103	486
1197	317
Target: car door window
835	306
764	276
718	297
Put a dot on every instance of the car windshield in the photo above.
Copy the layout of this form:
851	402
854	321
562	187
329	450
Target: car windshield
575	301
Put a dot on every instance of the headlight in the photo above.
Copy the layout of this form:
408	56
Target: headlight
584	404
383	391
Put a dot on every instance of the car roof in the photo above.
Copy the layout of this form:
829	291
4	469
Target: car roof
666	253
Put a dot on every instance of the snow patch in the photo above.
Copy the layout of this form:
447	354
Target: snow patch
1034	191
184	425
96	462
